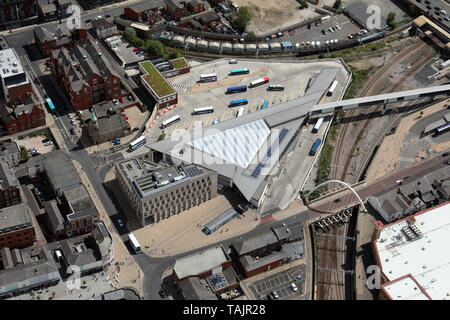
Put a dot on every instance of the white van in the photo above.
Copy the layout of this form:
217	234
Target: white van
233	61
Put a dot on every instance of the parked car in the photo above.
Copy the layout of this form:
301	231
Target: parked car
48	143
294	287
135	129
162	293
115	101
126	76
88	20
337	200
107	16
130	98
275	294
121	100
72	131
70	116
445	154
120	222
45	140
298	278
72	122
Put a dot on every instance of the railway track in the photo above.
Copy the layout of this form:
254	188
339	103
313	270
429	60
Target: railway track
364	91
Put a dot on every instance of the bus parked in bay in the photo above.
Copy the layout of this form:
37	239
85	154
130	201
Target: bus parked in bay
236	89
275	87
332	88
170	121
235	72
258	82
209	77
236	103
203	110
265	105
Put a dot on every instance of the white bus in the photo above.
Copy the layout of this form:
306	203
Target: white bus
134	243
203	110
258	82
332	88
138	143
275	87
317	126
209	77
240	112
170	121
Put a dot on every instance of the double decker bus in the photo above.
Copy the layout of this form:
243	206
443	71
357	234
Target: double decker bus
275	87
50	105
235	72
236	89
139	142
209	77
265	105
317	126
240	102
170	121
240	112
259	82
203	110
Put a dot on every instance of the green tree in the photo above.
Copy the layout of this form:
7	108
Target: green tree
130	34
303	4
175	54
24	154
337	4
139	42
391	20
154	47
161	136
243	19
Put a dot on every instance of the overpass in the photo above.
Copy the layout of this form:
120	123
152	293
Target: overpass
383	99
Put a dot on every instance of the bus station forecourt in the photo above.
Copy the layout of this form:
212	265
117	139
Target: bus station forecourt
293	76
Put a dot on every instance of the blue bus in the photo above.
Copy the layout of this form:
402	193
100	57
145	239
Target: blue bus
315	147
265	104
235	103
236	89
239	71
50	105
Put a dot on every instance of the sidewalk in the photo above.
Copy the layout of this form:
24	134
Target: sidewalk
124	271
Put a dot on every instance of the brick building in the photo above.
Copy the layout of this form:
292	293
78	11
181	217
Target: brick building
9	187
85	75
15	10
23	116
52	36
148	12
16	227
179	8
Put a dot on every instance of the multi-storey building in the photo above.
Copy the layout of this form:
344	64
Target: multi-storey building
15	10
86	76
9	187
156	192
148	12
9	153
52	36
16	227
14	81
20	116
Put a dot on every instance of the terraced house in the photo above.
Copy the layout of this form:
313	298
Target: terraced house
86	76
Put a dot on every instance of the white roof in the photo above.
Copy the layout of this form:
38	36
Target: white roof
199	262
426	257
405	289
10	64
237	145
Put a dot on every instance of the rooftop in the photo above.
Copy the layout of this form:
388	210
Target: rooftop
416	246
7	177
80	202
8	147
15	218
50	32
179	63
156	80
10	64
200	262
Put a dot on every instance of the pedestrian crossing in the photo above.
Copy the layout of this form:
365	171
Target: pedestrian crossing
180	86
407	159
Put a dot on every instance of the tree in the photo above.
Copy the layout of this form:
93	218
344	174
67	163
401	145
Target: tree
175	54
139	42
303	4
243	19
24	154
391	20
130	34
337	4
154	47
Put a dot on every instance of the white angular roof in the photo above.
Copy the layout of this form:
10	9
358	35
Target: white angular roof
237	145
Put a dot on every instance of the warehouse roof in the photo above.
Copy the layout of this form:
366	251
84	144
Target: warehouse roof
416	246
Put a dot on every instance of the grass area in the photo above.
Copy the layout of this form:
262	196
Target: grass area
358	77
179	63
156	81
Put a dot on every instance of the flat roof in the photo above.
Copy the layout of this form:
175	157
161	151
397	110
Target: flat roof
405	288
179	63
10	64
418	245
200	262
156	80
15	216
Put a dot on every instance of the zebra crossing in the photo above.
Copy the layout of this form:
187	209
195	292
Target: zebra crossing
180	86
407	159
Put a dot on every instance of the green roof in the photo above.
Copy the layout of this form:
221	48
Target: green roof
156	81
179	63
